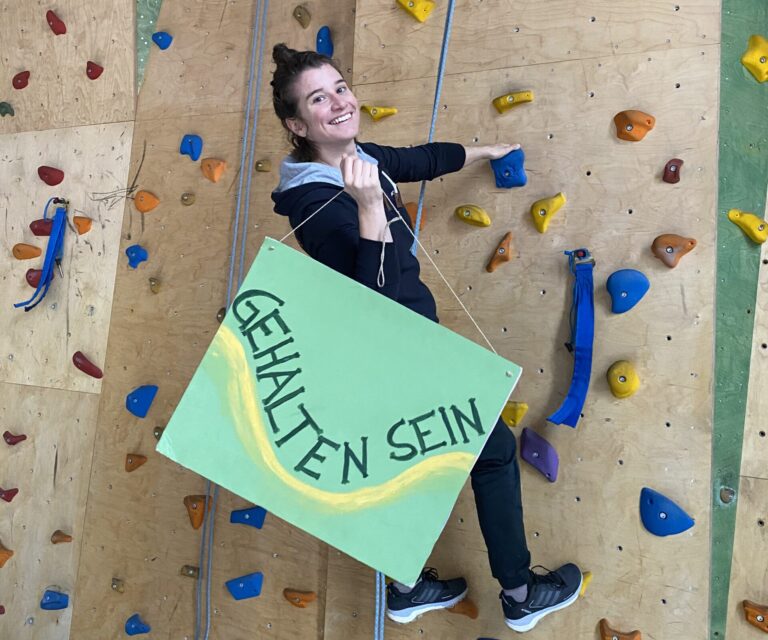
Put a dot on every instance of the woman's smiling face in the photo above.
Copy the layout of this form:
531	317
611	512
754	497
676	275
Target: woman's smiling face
328	110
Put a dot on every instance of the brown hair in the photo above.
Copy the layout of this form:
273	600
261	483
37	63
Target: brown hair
289	65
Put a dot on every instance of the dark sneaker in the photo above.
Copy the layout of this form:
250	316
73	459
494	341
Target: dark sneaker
548	592
428	594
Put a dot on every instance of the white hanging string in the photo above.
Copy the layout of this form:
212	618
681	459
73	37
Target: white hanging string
381	274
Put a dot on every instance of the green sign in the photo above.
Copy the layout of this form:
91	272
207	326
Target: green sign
339	410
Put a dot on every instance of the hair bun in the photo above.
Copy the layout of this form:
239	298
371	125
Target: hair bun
283	54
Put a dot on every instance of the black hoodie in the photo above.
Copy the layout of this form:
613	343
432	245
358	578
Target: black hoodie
333	237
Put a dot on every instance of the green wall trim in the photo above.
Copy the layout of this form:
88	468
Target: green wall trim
146	17
743	171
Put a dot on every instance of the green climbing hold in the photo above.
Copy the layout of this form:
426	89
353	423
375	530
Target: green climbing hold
6	109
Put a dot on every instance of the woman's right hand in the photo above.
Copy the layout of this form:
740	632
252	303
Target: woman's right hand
361	181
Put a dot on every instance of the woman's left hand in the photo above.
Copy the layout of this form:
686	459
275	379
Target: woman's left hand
488	152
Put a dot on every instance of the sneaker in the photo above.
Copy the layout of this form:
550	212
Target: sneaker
428	594
548	592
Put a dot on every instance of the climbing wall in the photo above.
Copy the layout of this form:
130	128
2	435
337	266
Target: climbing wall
584	62
57	117
138	533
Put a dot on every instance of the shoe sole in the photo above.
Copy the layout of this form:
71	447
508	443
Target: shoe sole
414	613
531	620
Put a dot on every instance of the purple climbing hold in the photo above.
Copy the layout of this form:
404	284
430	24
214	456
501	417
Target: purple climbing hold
162	39
509	170
140	400
136	255
537	452
191	145
135	626
246	586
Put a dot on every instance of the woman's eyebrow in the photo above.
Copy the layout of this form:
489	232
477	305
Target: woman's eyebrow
340	81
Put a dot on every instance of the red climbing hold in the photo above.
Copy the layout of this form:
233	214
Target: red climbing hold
2	610
93	70
55	23
12	439
33	277
41	227
50	175
86	366
21	80
8	494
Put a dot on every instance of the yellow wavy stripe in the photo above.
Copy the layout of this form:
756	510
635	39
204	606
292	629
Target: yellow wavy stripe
241	400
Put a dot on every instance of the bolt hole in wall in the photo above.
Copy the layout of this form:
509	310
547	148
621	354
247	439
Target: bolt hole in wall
762	434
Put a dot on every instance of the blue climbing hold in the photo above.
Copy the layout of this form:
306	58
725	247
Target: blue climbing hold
191	145
54	600
140	400
661	516
162	39
626	288
509	170
253	517
537	452
135	626
246	586
324	43
136	255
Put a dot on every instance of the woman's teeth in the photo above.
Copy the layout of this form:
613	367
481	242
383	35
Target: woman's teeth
341	119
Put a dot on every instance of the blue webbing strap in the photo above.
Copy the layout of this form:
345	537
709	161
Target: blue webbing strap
581	264
53	254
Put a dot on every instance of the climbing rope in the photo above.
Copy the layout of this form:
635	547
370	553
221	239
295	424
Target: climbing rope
246	162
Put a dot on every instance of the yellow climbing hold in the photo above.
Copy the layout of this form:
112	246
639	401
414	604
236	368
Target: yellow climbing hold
513	413
755	228
419	9
755	58
377	113
585	582
543	210
623	379
509	100
472	214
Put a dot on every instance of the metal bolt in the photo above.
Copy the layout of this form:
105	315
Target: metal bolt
629	127
663	515
669	249
542	212
622	379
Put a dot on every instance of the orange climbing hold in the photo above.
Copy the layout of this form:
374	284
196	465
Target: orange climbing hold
413	209
133	461
22	251
632	125
465	608
756	614
501	255
606	633
82	224
5	555
58	537
670	248
195	505
213	168
146	201
299	599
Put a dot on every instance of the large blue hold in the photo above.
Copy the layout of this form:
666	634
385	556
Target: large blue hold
191	145
253	517
509	170
661	516
626	288
162	39
54	600
324	42
140	400
136	255
135	626
246	586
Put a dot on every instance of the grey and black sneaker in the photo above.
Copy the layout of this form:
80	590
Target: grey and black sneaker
428	594
547	592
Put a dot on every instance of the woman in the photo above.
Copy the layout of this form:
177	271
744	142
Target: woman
360	234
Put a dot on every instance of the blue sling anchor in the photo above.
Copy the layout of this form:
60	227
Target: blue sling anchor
53	253
581	264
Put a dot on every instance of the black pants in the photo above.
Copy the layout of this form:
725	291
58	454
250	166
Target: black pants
496	483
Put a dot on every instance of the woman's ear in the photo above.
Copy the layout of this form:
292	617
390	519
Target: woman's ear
296	127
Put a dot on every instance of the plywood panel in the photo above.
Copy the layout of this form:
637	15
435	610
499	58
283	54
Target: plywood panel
660	437
59	92
749	578
51	470
496	34
37	346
